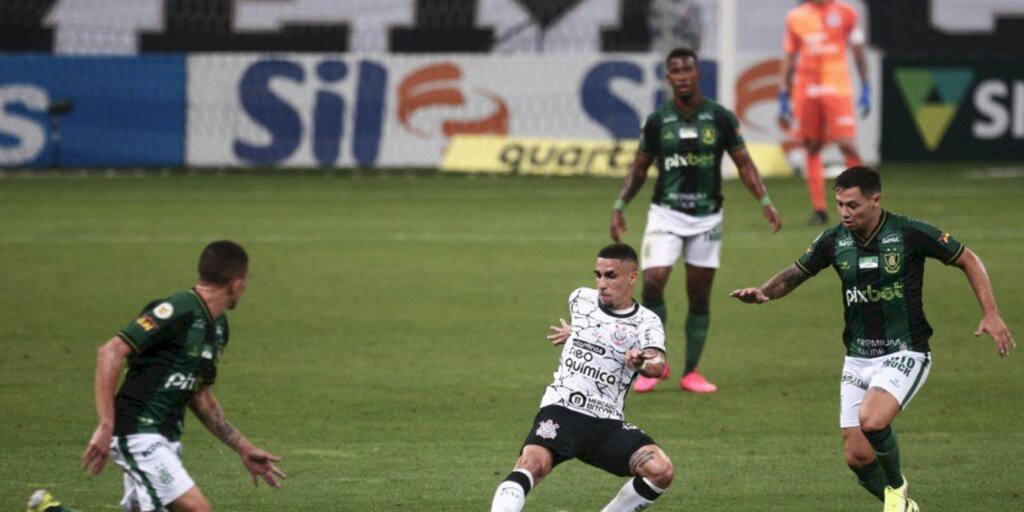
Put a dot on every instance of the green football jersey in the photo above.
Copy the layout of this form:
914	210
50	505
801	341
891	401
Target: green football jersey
688	148
177	345
882	279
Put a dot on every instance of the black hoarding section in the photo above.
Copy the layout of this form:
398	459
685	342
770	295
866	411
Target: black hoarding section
21	26
442	26
904	28
206	26
634	34
952	109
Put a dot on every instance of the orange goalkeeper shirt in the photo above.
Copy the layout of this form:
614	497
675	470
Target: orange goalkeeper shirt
821	35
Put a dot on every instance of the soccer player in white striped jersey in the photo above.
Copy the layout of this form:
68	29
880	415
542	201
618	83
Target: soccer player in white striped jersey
611	340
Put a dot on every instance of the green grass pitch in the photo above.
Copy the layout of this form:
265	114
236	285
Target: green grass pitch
391	344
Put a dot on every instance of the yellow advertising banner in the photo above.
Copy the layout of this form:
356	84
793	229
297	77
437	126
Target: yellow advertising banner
495	154
538	156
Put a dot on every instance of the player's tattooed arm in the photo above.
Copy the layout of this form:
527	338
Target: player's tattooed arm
206	407
639	458
784	282
261	464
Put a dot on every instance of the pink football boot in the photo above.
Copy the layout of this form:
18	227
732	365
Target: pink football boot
645	384
696	383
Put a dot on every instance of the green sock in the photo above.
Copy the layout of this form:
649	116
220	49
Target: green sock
696	336
888	451
659	308
872	479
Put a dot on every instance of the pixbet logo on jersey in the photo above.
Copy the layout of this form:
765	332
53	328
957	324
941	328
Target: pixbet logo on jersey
871	294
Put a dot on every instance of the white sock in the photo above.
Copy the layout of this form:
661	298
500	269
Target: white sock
510	496
629	500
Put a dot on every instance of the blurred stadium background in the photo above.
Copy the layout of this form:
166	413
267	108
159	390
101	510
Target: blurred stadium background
391	345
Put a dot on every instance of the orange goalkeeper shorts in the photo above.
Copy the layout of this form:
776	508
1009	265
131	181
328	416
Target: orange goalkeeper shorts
823	117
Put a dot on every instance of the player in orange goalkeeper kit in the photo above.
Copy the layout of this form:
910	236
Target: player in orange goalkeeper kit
816	100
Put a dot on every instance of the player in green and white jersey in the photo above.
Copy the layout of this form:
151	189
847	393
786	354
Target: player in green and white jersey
879	257
686	137
172	349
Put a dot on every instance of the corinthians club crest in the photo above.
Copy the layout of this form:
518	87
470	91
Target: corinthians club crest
547	429
892	262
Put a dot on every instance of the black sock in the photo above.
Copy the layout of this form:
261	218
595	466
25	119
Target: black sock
521	479
644	490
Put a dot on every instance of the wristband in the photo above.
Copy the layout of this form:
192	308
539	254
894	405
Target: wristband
619	205
766	201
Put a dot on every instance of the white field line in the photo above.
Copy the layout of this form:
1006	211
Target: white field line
743	239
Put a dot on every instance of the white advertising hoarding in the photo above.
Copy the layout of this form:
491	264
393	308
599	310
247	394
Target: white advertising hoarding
322	110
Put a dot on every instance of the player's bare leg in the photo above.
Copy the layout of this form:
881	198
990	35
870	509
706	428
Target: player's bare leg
861	459
654	473
655	280
848	147
698	319
192	501
533	465
877	412
816	181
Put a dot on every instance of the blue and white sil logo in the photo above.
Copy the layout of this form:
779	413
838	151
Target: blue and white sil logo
22	129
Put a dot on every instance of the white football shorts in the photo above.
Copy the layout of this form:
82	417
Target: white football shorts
153	474
670	234
901	374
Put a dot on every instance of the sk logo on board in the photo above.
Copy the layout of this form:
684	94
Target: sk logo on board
892	262
547	429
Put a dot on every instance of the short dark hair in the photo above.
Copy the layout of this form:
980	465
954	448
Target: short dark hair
681	53
222	261
618	251
867	178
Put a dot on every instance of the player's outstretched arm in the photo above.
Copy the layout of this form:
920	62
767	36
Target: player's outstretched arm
752	180
631	184
109	362
777	287
650	362
259	463
991	323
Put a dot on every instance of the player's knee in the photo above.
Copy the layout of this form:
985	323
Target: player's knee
812	146
857	459
872	423
699	303
652	296
664	474
537	465
659	471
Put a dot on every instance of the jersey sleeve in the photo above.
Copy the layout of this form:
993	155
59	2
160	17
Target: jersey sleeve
649	140
653	334
790	41
819	255
152	326
932	242
854	33
730	127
